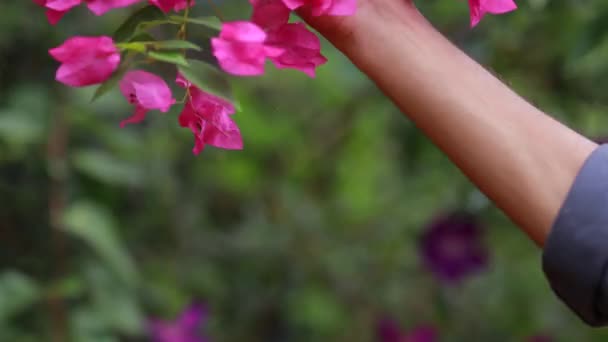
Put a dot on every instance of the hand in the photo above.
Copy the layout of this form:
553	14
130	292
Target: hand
344	32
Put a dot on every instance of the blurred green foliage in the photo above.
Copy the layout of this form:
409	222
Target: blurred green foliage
309	234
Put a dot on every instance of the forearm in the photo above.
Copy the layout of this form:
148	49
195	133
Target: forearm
521	158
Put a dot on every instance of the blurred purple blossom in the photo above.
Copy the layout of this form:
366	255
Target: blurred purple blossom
540	338
185	328
388	330
452	247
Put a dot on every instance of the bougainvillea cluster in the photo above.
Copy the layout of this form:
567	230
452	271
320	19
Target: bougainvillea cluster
240	48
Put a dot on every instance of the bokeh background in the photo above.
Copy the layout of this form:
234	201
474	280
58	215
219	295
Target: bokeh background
311	233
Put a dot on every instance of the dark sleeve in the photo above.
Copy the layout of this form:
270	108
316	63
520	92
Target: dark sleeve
575	258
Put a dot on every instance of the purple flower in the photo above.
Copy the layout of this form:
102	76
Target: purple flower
452	248
389	331
186	328
540	338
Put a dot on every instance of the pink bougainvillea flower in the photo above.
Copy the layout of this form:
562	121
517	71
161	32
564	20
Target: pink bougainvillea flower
175	5
54	16
145	91
100	7
183	82
479	8
241	49
57	8
325	7
86	60
388	330
186	328
302	48
269	14
208	117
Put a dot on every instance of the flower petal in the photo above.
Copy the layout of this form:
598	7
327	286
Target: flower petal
138	116
100	7
146	90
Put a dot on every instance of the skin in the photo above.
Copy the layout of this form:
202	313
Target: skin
521	158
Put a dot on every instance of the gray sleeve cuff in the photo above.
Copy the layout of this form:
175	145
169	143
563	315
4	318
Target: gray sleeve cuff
575	258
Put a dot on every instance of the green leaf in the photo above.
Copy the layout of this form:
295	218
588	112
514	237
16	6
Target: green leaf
110	83
146	25
173	57
174	44
142	37
106	168
316	307
96	226
88	325
17	293
210	22
20	129
207	78
130	25
133	46
69	286
143	46
117	305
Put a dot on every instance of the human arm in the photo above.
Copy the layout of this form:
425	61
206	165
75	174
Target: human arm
551	181
524	160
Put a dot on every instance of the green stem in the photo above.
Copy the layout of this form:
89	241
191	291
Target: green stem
181	34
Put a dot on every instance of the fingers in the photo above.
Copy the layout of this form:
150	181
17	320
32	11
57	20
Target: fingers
346	32
338	30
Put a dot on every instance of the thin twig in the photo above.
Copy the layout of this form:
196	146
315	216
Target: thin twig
56	159
216	10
